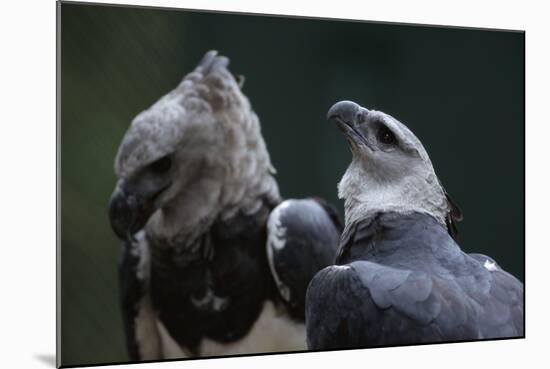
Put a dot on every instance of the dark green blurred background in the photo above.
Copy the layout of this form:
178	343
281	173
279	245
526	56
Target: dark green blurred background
461	91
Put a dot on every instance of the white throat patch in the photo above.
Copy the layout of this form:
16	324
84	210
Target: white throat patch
364	194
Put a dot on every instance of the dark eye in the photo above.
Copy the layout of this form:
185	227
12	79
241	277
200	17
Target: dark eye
386	136
161	165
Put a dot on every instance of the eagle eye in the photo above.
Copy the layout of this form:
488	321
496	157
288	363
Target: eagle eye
386	136
161	165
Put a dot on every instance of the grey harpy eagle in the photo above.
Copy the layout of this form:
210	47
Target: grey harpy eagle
213	261
400	277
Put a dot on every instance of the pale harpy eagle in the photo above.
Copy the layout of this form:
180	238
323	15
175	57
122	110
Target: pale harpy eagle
400	276
207	266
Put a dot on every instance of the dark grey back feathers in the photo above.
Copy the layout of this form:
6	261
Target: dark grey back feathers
403	280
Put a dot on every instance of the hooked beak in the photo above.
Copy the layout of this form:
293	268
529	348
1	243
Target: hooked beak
129	211
347	115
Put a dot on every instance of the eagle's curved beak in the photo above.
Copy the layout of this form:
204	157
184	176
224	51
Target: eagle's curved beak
344	111
129	210
347	115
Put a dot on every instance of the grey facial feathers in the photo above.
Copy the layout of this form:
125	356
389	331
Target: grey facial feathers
390	169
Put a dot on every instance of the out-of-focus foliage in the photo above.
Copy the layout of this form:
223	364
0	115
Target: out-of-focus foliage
460	91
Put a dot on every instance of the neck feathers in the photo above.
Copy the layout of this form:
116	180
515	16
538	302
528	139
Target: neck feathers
365	196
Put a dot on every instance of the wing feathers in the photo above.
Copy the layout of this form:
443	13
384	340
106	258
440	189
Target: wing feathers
302	239
418	292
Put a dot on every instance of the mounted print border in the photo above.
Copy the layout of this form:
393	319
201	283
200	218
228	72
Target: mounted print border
197	184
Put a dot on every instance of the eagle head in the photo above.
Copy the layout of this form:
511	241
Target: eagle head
390	169
191	155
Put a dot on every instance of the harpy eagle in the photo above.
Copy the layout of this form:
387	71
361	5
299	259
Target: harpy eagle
400	277
213	261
